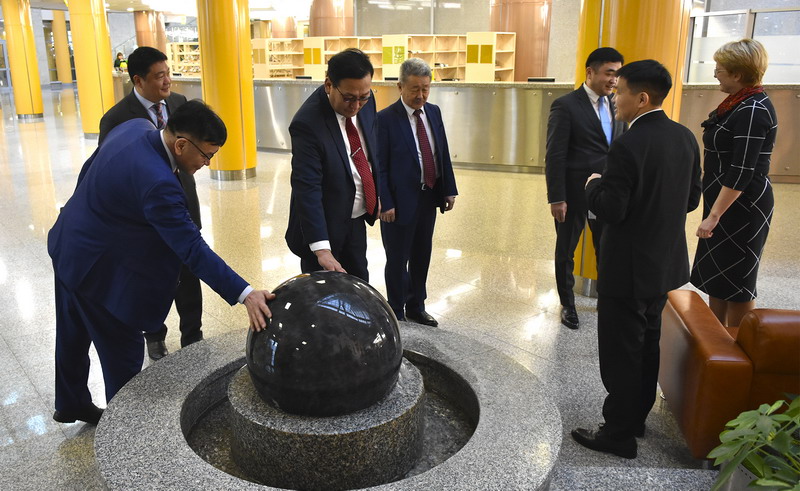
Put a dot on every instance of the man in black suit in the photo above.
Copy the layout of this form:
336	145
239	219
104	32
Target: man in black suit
417	178
151	99
334	169
650	182
579	131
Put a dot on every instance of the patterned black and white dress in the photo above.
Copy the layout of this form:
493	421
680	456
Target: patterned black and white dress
737	150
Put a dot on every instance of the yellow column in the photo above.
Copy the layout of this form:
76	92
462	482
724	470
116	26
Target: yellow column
93	61
639	29
642	29
63	66
22	58
227	79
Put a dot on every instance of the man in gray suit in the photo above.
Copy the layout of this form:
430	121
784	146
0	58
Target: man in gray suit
580	130
153	100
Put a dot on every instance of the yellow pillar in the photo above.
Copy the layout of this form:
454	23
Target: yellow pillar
22	58
93	61
642	29
63	65
639	29
227	79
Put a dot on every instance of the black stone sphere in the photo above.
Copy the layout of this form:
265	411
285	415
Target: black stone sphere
332	346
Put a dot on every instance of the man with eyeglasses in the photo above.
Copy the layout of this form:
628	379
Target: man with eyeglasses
152	99
118	246
417	178
335	170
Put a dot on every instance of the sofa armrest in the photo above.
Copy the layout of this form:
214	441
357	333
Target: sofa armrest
704	374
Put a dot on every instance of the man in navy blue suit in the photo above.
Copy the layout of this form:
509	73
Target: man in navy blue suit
416	178
334	170
117	249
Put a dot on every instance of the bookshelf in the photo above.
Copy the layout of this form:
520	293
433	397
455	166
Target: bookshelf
490	56
277	57
184	58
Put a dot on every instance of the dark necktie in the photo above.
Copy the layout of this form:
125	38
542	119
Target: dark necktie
159	116
604	119
428	165
362	166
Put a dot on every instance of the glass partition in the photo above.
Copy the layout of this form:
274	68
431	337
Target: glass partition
780	34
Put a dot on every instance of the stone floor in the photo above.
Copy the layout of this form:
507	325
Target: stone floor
490	279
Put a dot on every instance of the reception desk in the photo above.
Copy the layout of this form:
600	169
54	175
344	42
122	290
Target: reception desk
501	125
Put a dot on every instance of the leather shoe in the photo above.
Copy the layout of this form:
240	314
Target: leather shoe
569	316
422	318
90	414
157	350
596	440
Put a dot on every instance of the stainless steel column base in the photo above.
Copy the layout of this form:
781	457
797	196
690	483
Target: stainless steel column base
586	287
233	175
25	117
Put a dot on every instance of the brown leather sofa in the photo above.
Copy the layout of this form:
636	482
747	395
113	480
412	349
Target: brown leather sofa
709	374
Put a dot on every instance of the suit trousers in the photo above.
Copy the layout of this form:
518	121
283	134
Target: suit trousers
568	233
628	333
408	256
80	322
189	304
351	252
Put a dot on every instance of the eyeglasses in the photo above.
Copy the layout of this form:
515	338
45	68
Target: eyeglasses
717	70
349	99
208	156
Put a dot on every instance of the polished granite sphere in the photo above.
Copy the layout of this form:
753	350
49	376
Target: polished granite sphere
332	346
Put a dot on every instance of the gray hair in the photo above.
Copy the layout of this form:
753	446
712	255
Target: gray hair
414	66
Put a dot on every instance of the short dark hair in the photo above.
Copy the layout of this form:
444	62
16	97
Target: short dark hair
647	76
350	63
142	58
603	55
196	119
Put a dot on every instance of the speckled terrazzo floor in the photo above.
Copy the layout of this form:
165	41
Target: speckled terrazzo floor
491	279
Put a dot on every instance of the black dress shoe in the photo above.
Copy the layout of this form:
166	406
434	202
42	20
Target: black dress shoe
422	318
157	350
89	415
595	440
569	316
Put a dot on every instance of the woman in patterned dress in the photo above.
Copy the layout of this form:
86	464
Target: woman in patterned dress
737	195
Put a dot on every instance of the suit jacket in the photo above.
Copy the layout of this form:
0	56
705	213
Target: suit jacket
129	108
323	191
575	141
400	168
651	181
123	235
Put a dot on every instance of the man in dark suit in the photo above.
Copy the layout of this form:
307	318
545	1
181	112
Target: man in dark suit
334	169
416	178
151	99
579	131
650	182
117	249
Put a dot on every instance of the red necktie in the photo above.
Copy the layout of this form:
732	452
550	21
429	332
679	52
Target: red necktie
159	116
428	165
362	166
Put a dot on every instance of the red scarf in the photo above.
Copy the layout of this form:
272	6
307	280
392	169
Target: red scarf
733	100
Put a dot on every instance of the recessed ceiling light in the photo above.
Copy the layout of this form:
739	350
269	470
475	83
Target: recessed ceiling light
130	9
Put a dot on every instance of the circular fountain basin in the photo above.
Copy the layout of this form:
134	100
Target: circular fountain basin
141	440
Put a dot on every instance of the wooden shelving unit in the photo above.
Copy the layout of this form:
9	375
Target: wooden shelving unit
277	57
184	58
490	56
317	51
446	54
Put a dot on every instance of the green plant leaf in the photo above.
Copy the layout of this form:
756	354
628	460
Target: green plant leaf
726	472
782	442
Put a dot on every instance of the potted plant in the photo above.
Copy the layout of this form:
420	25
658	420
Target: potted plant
766	441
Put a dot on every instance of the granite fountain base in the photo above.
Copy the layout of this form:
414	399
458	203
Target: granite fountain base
141	440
